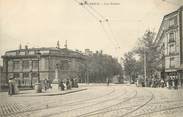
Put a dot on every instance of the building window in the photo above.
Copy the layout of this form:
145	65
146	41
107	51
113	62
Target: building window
26	52
26	74
171	37
35	64
16	65
10	53
31	52
44	52
34	74
18	52
162	47
16	75
64	65
173	21
22	53
25	64
172	62
172	49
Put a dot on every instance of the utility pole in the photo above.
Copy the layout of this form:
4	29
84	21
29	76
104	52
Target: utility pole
88	81
145	70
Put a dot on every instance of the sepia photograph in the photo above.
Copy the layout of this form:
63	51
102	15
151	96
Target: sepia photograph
91	58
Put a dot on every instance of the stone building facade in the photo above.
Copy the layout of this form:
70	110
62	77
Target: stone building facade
24	65
170	40
3	83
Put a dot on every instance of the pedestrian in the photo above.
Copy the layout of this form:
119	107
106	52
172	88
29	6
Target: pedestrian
62	86
162	83
181	82
45	84
68	84
11	87
137	83
143	84
153	83
16	86
169	83
72	82
107	80
176	83
75	83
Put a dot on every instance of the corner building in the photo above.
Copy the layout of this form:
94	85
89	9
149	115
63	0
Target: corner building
170	40
24	65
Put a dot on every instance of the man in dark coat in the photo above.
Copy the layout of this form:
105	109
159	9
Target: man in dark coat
62	86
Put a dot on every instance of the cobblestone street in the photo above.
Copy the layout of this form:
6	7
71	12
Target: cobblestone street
97	100
91	58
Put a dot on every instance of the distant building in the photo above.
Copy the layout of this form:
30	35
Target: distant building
170	40
88	52
23	64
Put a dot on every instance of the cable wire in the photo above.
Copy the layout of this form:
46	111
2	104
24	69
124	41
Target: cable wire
80	3
105	31
97	12
104	19
100	18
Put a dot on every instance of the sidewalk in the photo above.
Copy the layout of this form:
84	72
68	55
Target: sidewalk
49	92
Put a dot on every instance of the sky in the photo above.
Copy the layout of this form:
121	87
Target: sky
109	25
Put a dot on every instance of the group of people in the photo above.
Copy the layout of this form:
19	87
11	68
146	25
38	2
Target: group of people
154	83
13	88
171	83
68	84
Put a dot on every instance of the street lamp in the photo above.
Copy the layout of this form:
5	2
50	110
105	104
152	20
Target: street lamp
38	84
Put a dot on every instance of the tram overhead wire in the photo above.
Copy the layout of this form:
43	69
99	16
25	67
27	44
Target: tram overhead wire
102	20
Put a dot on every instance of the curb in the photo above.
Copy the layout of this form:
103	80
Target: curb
51	94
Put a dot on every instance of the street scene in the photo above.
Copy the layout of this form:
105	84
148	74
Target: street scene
91	58
98	100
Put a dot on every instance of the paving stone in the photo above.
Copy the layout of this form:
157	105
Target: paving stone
97	101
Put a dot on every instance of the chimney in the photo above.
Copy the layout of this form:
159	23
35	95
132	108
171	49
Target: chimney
20	47
58	44
65	44
26	47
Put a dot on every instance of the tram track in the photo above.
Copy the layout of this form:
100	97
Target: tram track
42	107
93	104
155	104
139	107
97	112
73	103
128	103
161	110
103	110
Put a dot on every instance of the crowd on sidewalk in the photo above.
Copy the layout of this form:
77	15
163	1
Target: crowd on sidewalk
170	83
67	84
